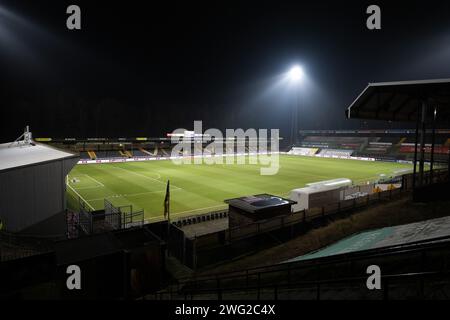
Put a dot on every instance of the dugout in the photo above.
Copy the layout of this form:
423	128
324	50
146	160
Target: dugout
318	194
245	210
33	187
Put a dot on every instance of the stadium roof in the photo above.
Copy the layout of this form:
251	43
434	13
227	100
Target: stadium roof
20	155
259	202
399	101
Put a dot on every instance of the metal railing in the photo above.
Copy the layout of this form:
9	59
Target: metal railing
282	273
319	286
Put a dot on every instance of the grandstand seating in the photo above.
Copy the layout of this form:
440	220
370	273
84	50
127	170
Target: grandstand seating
102	154
335	142
128	153
377	148
379	144
140	153
410	148
92	155
447	142
84	155
164	152
335	153
143	152
252	149
303	151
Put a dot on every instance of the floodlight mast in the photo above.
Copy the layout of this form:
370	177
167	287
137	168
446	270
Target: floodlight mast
295	76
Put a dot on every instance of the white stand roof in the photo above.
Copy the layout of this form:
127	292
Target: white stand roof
18	155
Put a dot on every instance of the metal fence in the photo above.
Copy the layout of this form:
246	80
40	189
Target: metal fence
86	221
428	258
123	217
195	249
113	215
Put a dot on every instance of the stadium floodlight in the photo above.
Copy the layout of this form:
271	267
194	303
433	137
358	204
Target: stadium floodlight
296	73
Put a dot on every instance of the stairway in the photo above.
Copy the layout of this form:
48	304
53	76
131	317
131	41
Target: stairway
145	151
92	154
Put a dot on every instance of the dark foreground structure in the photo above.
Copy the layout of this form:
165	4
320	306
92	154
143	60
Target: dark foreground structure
425	102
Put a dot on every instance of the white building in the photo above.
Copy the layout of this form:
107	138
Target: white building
33	189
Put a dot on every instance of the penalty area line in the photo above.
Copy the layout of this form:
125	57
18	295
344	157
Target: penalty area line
80	196
143	176
131	194
95	180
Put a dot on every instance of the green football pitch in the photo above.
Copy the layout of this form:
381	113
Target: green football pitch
201	188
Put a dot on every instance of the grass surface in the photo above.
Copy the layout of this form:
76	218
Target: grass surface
202	188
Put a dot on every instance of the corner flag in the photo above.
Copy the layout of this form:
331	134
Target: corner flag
167	202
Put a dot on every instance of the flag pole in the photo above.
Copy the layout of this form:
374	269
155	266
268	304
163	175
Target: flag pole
167	208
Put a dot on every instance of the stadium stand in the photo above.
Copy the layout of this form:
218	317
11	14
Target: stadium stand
84	155
141	153
377	148
125	154
92	155
335	142
303	151
390	145
335	153
144	152
102	154
163	152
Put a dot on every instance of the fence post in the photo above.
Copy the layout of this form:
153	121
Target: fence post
386	289
421	287
246	279
219	291
194	252
259	286
318	291
289	276
184	249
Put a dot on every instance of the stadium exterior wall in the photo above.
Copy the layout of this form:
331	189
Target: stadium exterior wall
35	195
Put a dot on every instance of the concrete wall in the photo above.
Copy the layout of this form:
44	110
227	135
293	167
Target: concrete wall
30	195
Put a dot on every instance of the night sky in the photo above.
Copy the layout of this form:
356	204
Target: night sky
143	68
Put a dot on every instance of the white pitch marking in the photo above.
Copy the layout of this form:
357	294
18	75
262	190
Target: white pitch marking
99	184
131	194
95	180
93	187
80	196
141	175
